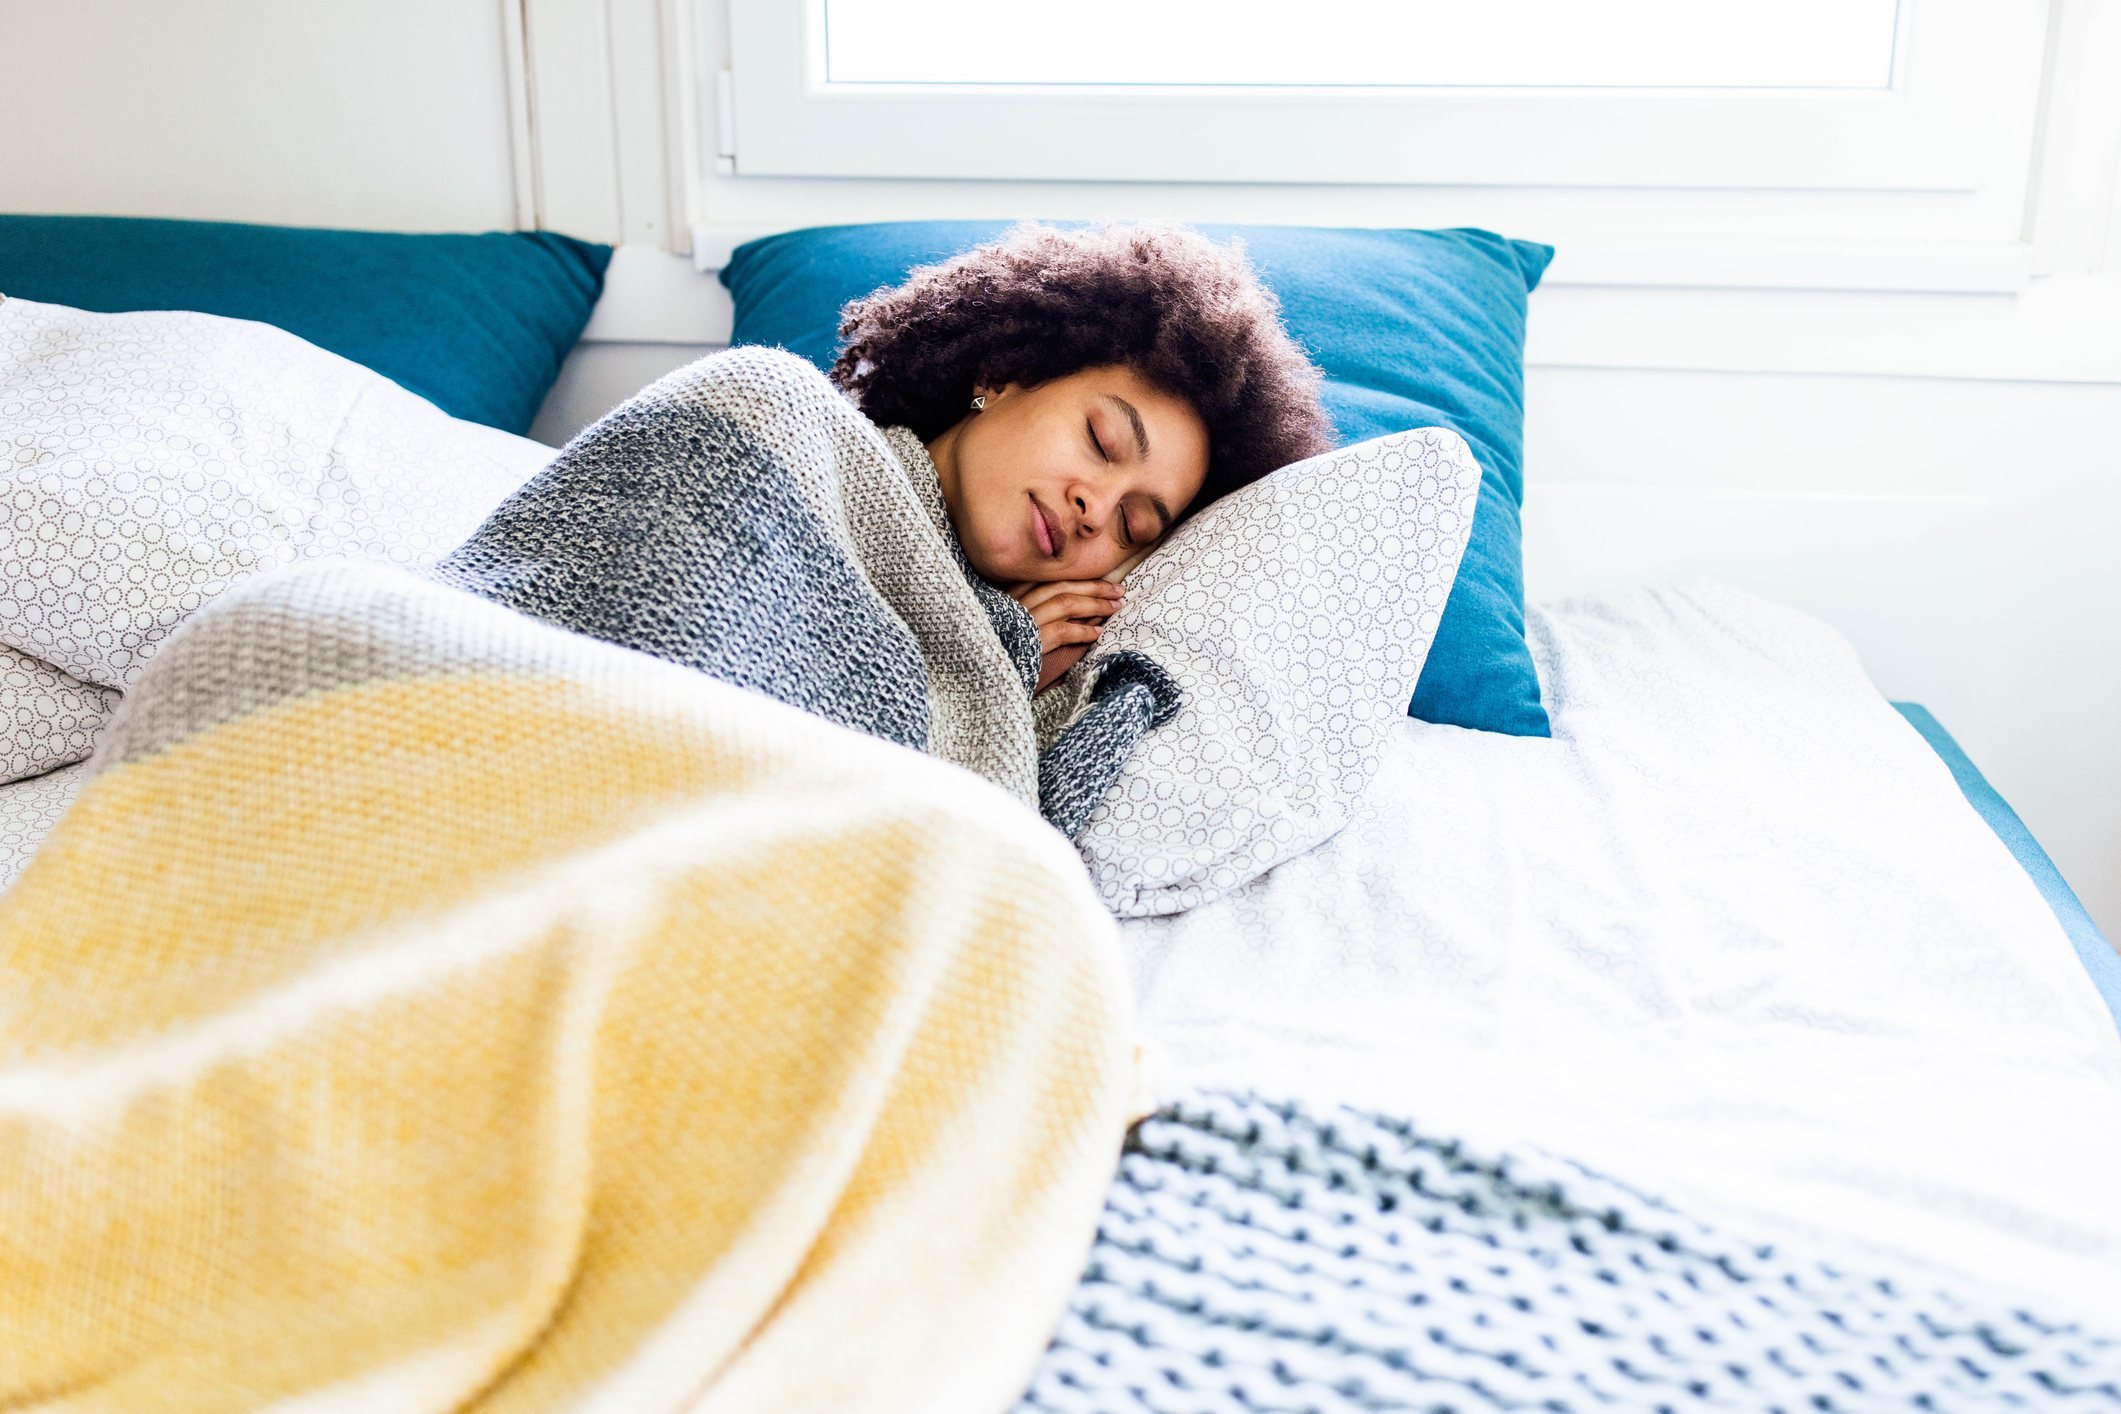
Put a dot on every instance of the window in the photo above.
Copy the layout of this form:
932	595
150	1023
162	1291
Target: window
1828	44
1826	95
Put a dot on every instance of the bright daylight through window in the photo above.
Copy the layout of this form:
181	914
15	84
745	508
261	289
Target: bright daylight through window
1821	44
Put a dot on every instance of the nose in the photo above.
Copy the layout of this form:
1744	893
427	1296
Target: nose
1093	507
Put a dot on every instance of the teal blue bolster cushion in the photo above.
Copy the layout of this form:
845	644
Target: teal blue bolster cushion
1412	329
477	325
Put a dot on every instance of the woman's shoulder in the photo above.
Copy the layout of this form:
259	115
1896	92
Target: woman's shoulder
763	388
770	370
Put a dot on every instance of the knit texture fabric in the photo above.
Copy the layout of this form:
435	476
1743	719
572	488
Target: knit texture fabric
1012	621
741	517
1130	696
425	1008
1259	1255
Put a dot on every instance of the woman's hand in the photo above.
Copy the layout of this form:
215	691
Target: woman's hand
1070	614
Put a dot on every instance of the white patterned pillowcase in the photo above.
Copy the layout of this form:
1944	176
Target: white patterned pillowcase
150	460
1295	614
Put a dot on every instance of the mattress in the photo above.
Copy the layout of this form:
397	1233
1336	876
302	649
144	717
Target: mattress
1735	936
2100	960
1820	1102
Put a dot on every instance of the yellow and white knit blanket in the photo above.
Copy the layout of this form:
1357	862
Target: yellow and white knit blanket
424	1008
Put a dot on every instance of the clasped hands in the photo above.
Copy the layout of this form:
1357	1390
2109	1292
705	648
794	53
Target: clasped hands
1070	613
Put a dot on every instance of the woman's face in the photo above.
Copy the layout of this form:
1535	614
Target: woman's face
1068	479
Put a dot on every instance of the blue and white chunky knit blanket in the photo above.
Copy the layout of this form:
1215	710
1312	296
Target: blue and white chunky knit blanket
1259	1255
740	516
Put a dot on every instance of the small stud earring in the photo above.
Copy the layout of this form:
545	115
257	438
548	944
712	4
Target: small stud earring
979	404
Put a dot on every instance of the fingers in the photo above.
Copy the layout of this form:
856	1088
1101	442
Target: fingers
1069	613
1063	632
1031	596
1073	606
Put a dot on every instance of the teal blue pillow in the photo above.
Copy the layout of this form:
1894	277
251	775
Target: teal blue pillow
1412	329
477	325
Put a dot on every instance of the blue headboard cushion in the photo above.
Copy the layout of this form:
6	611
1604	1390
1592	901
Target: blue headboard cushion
1412	329
477	325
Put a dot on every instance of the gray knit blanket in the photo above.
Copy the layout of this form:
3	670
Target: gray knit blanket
742	517
1262	1255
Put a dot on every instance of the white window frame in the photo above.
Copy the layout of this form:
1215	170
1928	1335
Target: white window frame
1966	88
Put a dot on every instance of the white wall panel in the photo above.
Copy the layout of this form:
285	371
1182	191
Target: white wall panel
638	112
1961	534
598	377
573	117
383	115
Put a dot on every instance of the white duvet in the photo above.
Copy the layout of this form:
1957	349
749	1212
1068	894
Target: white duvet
153	458
1733	935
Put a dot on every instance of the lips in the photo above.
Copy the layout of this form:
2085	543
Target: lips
1045	530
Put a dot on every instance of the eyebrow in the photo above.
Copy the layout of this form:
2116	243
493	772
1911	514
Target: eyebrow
1141	445
1141	434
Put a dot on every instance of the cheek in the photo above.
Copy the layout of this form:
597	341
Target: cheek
986	502
1016	453
987	506
984	465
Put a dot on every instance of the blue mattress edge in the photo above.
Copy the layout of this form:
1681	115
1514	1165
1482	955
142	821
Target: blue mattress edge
2097	955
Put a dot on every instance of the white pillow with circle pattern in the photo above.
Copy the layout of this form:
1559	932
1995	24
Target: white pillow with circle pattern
150	460
1295	615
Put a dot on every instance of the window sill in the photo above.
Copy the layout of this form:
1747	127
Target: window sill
1957	311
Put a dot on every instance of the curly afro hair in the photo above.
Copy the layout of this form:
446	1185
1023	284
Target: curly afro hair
1186	314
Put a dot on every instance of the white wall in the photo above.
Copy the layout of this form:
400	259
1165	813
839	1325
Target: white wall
1961	534
1958	525
383	115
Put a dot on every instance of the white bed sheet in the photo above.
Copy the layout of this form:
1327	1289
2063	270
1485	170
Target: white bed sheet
1732	935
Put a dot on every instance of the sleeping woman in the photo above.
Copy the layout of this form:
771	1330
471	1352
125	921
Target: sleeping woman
1078	393
916	546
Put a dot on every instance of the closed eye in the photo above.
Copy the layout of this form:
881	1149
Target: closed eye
1090	430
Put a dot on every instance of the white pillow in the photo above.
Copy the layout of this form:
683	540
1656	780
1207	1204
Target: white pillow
1295	615
150	460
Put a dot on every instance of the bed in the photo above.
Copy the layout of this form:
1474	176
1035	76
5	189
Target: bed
1657	1018
1310	1223
1641	1129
